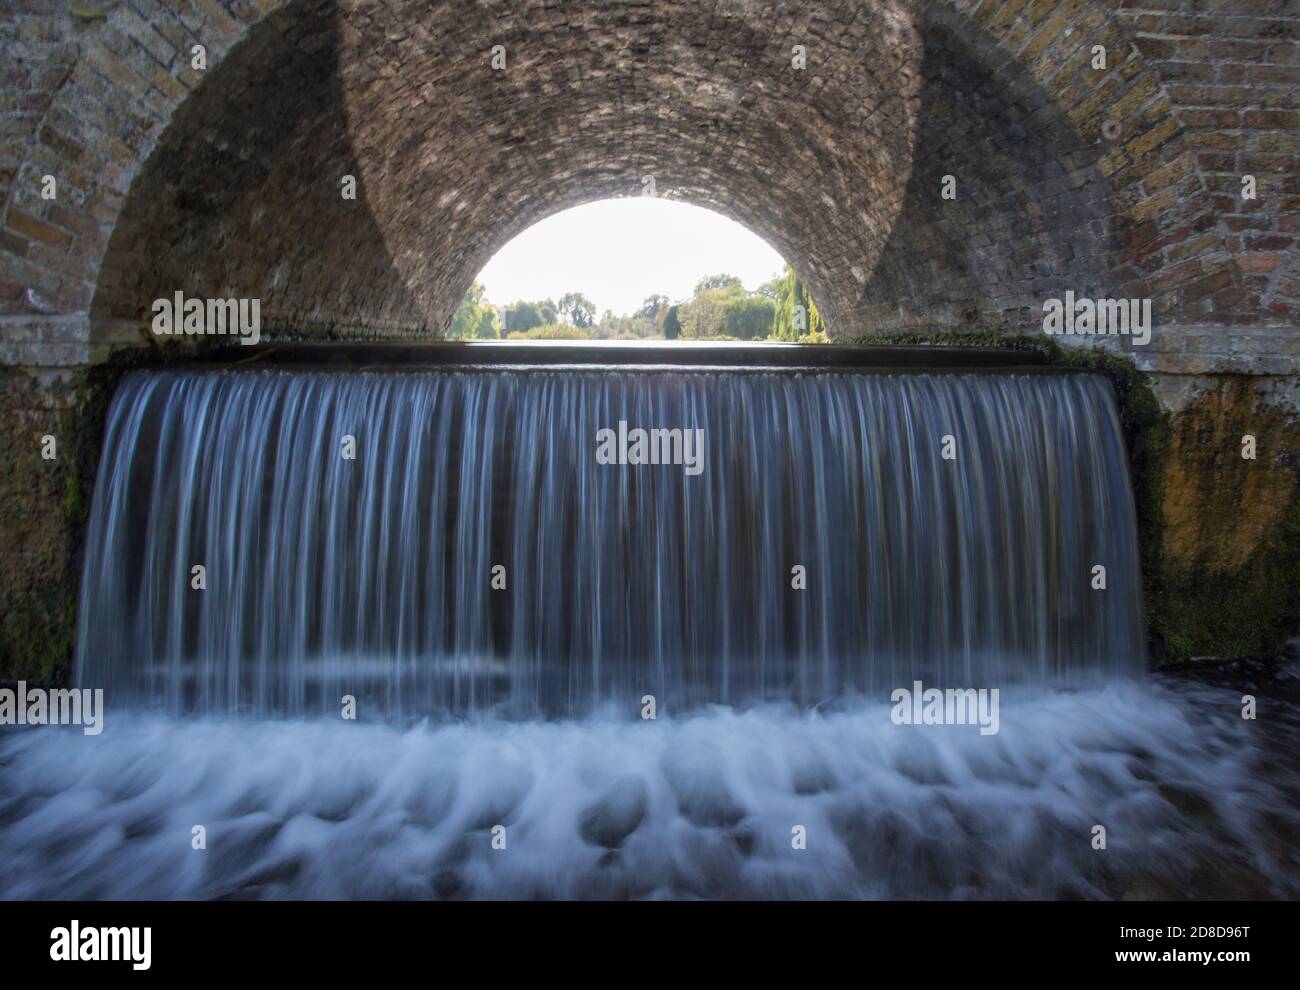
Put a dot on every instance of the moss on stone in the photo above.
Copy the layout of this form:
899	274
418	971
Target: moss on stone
39	643
35	602
45	505
1231	541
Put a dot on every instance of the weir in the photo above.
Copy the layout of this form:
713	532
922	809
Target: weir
852	531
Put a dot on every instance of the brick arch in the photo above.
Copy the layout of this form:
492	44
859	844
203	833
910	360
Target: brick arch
836	166
101	91
243	195
703	100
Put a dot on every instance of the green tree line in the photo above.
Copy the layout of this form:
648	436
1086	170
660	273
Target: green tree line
720	308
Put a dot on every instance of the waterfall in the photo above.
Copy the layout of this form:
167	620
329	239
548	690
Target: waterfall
846	532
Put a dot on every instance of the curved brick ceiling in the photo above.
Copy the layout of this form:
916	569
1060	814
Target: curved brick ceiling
454	157
838	165
457	157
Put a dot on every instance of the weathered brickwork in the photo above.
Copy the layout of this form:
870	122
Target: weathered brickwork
1122	180
236	218
1232	72
37	583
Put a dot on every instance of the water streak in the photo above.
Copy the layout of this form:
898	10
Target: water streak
372	577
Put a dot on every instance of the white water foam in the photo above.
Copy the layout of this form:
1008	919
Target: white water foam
701	806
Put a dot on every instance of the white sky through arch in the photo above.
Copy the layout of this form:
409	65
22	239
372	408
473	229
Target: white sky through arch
617	252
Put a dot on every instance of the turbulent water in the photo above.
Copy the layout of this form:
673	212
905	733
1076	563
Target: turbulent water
498	749
372	576
702	806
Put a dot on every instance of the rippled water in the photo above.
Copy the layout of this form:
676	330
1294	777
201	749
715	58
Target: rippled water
1196	802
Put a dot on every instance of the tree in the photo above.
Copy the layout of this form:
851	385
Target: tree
577	309
473	317
712	282
523	316
704	315
748	317
672	325
796	312
652	305
489	324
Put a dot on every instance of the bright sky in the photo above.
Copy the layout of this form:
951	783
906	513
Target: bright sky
617	252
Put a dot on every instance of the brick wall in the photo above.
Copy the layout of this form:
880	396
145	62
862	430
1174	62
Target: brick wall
1121	181
1232	72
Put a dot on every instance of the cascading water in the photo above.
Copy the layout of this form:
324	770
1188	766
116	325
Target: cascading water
833	533
373	577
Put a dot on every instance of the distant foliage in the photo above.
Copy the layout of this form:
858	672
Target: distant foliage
672	324
577	309
524	316
712	283
720	309
551	331
474	318
651	308
636	327
789	294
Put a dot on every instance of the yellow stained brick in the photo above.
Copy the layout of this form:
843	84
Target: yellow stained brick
37	230
1151	207
1113	162
1153	138
1168	175
999	15
218	16
1195	246
110	67
1137	96
165	82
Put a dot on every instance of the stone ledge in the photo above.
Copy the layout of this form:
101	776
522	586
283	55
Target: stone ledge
1197	349
62	341
1208	349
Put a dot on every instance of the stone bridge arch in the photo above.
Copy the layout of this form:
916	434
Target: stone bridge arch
226	180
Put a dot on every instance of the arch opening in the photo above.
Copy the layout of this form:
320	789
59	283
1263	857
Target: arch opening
839	165
637	269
